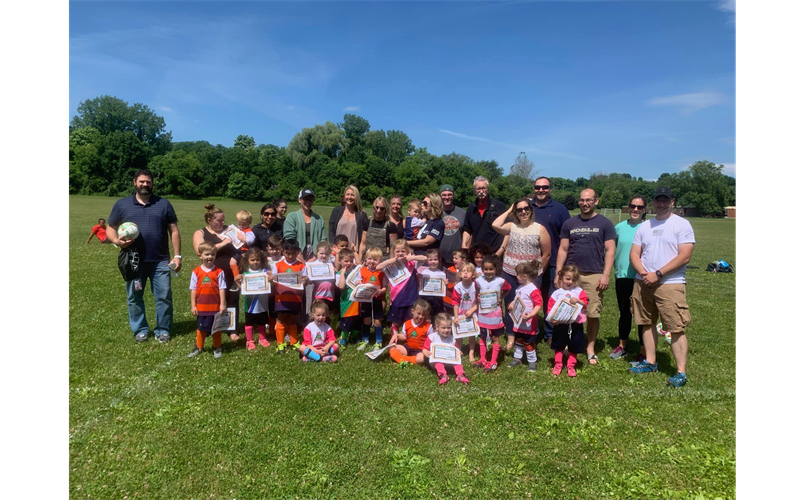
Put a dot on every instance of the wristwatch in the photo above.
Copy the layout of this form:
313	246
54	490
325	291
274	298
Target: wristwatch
659	274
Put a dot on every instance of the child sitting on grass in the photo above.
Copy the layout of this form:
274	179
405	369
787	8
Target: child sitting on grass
415	331
207	298
318	339
443	335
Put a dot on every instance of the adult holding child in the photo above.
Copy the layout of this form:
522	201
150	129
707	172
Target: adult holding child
269	226
379	229
528	241
431	234
349	219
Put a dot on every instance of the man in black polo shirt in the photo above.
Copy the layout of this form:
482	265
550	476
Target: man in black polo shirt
156	221
480	215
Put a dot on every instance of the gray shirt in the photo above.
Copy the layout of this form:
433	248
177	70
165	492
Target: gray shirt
451	241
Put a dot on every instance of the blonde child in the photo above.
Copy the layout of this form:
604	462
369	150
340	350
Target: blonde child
414	222
459	258
372	312
411	341
288	300
465	299
443	335
318	339
274	255
492	288
256	306
246	235
570	336
433	270
324	290
207	298
525	332
350	311
402	295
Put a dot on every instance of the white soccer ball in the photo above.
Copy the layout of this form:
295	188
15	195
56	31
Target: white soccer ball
128	230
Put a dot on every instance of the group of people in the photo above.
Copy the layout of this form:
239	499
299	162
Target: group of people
491	257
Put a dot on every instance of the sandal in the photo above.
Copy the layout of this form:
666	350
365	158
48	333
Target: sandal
592	359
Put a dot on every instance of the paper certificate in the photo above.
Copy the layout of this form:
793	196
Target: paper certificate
452	277
224	321
489	301
354	278
375	354
363	293
255	284
232	233
467	327
397	273
445	353
290	280
431	285
517	311
319	271
565	312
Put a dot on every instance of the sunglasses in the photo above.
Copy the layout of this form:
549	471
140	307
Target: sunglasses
542	188
524	209
269	214
379	208
424	203
639	207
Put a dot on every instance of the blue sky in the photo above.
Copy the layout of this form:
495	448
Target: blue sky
643	87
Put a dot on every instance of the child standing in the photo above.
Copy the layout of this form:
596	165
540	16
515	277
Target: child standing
341	242
414	333
246	235
289	300
459	258
414	222
207	297
402	295
443	335
491	290
274	255
256	306
372	312
570	336
318	339
350	311
525	332
478	252
324	290
433	270
465	299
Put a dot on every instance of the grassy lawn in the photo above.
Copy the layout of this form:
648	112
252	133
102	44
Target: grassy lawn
145	422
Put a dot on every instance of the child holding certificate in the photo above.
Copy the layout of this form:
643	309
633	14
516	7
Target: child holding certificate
372	312
570	336
459	258
350	310
443	335
432	271
256	306
290	290
491	290
465	299
402	294
523	310
415	331
207	298
324	290
274	255
318	339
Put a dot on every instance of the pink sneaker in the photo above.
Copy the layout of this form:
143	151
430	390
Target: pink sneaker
462	379
330	359
250	344
443	379
305	359
557	369
571	371
264	342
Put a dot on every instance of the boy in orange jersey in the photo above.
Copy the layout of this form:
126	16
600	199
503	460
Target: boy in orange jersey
414	333
350	311
207	297
372	312
288	302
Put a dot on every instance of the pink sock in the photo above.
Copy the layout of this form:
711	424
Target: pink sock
557	358
440	369
483	348
495	351
250	333
262	331
571	360
459	370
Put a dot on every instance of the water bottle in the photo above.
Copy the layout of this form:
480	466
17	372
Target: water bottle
173	270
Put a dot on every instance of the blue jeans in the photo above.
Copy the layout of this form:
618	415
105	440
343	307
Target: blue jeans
547	288
159	275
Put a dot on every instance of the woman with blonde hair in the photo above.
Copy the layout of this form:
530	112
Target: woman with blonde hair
379	230
349	219
430	235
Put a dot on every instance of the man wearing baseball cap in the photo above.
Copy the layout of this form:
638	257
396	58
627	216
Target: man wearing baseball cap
660	253
453	218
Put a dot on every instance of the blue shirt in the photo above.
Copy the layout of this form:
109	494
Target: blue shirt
552	215
152	219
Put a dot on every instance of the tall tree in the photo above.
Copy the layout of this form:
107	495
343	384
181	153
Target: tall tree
327	140
523	167
244	142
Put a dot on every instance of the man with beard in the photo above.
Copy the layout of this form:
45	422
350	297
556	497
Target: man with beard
157	222
480	215
453	218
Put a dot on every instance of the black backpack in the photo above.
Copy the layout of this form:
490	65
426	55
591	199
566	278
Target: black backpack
129	258
719	266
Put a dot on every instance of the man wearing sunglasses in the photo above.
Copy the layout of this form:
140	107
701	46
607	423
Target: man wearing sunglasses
551	215
269	226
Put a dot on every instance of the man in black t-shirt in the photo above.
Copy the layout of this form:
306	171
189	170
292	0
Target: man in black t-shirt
477	226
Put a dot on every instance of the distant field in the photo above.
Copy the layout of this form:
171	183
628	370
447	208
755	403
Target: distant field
146	422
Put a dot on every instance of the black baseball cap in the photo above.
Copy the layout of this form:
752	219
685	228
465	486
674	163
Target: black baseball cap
305	193
663	191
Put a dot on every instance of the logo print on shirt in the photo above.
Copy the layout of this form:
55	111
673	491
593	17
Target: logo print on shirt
372	279
206	280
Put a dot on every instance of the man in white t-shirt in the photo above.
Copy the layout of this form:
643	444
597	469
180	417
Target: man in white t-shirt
660	253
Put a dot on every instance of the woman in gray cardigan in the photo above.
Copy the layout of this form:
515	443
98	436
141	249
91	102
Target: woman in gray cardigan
305	226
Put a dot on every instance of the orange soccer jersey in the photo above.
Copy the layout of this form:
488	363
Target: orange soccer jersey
415	336
208	297
448	296
288	298
372	277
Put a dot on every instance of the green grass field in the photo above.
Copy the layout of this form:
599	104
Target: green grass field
146	422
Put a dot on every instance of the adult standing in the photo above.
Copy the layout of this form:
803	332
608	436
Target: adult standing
269	226
588	242
625	274
396	218
660	253
349	219
305	226
453	218
157	223
282	209
99	230
528	240
478	220
212	233
551	215
379	229
431	234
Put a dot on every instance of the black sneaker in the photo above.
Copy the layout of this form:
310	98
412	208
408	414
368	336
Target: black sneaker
217	353
514	362
164	338
532	366
195	352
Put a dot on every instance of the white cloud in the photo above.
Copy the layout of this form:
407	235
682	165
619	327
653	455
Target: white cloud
729	169
525	149
165	108
726	5
690	102
352	108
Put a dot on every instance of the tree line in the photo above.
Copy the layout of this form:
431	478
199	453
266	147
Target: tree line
110	140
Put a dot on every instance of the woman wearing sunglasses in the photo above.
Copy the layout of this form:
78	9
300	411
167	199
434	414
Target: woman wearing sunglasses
430	235
380	229
270	225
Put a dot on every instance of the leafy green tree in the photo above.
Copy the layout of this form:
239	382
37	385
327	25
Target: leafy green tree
327	140
244	142
178	173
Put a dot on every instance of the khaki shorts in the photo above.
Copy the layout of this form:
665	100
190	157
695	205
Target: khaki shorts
666	301
588	282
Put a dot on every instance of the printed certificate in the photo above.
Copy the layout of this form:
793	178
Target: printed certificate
224	321
320	271
432	285
232	233
517	311
397	273
489	301
354	278
255	284
452	277
466	327
363	293
377	353
445	353
565	312
290	280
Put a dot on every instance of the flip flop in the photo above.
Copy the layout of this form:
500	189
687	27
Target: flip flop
592	359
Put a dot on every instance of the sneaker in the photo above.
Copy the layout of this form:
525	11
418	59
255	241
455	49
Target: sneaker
557	369
514	362
305	359
217	353
377	347
463	379
405	364
678	380
532	366
250	345
264	342
141	337
617	353
490	367
297	346
234	336
571	371
342	342
443	379
195	352
639	358
479	364
282	348
164	338
362	345
644	367
330	359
